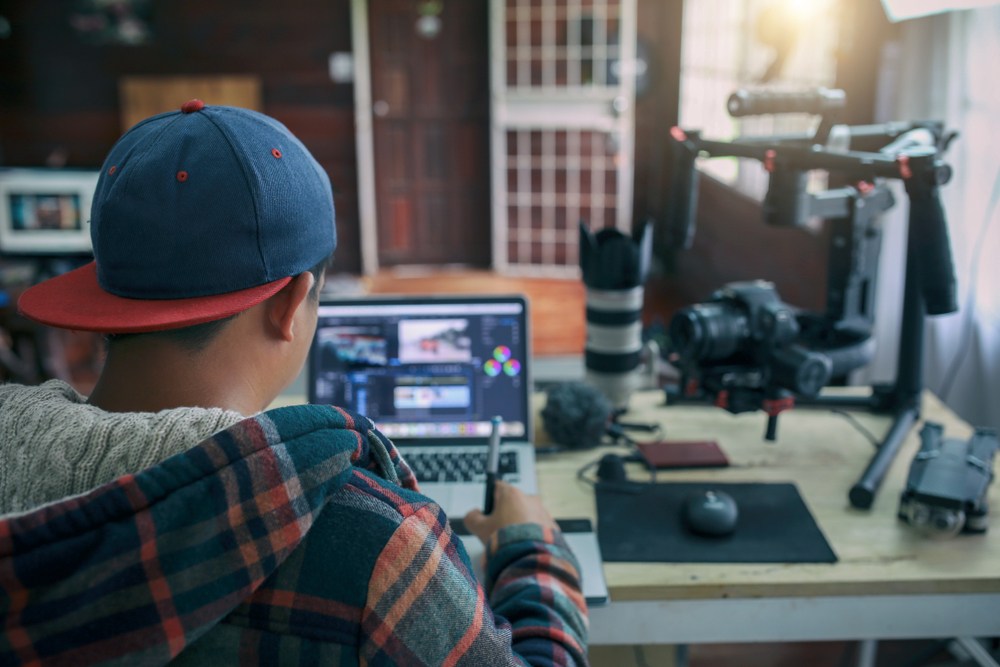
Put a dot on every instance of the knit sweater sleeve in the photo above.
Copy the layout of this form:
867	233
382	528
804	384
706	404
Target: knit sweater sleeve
425	606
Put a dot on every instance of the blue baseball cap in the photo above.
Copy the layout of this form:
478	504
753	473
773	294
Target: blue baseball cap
198	214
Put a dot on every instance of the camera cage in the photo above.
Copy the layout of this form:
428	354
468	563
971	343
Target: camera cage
907	151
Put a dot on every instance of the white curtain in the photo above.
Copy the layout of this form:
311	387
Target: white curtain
947	67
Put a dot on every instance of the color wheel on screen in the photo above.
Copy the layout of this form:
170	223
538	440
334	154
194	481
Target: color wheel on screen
502	362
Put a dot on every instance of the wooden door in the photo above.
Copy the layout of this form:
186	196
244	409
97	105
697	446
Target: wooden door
430	133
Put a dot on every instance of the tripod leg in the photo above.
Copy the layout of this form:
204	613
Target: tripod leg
862	494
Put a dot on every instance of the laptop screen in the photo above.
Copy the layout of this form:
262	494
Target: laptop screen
426	367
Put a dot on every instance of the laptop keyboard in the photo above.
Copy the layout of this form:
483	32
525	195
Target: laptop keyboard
460	466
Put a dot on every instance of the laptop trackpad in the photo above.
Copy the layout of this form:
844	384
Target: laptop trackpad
455	499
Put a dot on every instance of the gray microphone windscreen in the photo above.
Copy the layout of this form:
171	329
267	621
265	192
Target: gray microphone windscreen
576	415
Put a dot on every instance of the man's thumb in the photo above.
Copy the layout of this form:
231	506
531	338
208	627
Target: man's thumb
473	519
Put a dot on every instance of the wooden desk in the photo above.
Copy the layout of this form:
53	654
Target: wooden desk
890	582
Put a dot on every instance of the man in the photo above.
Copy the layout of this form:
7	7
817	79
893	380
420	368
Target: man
169	516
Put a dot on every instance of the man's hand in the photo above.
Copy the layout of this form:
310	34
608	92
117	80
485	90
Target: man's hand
511	506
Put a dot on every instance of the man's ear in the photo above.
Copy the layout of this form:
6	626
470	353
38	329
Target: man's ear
282	307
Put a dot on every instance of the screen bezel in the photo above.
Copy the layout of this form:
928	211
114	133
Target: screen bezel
437	300
28	182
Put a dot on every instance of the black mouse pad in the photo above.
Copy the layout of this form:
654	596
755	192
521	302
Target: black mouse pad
642	523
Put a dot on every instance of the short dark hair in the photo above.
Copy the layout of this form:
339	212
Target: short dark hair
196	337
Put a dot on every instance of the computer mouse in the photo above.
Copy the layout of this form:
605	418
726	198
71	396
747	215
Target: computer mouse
710	513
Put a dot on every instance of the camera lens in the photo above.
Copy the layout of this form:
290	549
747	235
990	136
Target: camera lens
708	331
803	371
614	341
935	521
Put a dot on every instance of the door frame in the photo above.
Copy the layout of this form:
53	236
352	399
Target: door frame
364	140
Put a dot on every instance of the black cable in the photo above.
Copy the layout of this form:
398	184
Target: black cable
618	436
581	474
858	426
967	326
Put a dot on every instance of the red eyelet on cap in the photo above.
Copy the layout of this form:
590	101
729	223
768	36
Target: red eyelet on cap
112	169
192	105
276	153
182	176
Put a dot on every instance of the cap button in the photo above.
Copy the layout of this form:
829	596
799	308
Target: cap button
192	105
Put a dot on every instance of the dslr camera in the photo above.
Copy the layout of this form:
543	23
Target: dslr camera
746	342
946	487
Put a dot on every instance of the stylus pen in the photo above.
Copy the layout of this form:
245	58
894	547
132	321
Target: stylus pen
492	465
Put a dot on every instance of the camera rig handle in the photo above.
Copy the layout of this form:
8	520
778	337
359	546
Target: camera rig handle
825	102
820	101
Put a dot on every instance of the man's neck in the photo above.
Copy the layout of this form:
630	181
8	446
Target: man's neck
144	377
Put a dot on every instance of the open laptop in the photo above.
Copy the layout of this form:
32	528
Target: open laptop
431	372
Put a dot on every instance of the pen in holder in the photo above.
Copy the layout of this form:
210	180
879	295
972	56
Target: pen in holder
492	464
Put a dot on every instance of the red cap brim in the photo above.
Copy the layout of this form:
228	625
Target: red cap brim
75	300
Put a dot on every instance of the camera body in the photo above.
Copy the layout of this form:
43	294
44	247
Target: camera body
946	487
746	342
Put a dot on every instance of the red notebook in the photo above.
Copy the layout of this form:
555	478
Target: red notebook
683	454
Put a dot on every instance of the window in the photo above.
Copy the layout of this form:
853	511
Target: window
732	44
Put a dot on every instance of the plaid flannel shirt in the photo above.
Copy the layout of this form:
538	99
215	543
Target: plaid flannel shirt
294	537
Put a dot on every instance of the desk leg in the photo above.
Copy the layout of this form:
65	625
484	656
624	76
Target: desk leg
867	652
974	651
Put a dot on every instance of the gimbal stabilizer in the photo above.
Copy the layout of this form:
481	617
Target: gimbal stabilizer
865	156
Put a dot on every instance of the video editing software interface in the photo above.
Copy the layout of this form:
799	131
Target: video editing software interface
420	369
